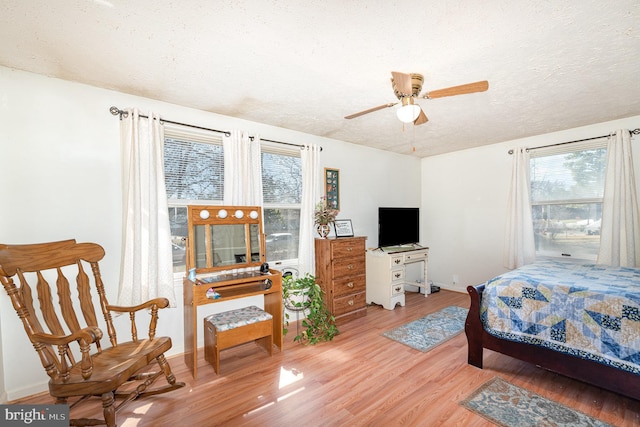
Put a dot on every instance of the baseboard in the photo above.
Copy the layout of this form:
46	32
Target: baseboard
31	390
446	287
455	288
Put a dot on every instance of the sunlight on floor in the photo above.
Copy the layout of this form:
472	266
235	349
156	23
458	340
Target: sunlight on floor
130	422
253	411
134	420
280	399
288	377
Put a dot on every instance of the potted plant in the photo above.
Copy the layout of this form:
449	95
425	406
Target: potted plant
324	215
304	294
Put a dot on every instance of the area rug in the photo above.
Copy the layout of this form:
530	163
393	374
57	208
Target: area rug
507	405
434	329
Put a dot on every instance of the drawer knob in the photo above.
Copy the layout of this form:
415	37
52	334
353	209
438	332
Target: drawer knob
397	261
350	266
398	275
350	302
349	249
398	289
350	285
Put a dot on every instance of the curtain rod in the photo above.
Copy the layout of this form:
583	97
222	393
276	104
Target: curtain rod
632	132
122	113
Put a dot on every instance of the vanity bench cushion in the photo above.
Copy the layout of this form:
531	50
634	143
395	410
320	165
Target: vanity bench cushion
236	318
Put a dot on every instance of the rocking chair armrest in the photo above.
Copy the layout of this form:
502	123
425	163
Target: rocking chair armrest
88	335
85	337
152	305
157	302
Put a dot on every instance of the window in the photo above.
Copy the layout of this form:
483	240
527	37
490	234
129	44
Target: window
567	186
282	194
194	172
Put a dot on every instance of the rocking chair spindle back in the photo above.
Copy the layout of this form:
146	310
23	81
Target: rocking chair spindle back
61	322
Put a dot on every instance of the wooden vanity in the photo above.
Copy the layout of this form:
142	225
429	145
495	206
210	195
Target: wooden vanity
226	248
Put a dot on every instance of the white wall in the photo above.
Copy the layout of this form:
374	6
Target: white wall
464	204
60	174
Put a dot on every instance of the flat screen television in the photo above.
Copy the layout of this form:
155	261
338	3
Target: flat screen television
398	226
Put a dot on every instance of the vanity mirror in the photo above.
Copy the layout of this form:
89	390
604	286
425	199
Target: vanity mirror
224	238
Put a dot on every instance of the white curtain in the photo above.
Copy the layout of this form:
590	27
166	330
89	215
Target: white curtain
147	265
242	169
519	245
311	192
620	226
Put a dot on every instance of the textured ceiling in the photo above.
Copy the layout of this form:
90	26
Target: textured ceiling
551	65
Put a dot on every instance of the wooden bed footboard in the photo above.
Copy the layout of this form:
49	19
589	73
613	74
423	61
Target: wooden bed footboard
473	327
591	372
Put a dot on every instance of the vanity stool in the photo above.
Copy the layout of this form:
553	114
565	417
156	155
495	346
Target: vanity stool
231	328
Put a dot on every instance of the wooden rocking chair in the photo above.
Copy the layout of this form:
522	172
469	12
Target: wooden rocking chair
103	372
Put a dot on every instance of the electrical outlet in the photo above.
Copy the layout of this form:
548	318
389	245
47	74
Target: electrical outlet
454	279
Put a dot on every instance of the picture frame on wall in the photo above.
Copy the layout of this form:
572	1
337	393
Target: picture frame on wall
332	187
343	228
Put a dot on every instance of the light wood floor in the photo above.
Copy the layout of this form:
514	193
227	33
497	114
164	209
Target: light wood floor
359	379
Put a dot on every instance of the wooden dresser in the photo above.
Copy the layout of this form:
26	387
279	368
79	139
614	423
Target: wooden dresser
341	272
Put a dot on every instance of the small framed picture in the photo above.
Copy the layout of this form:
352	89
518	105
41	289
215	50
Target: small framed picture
343	228
332	187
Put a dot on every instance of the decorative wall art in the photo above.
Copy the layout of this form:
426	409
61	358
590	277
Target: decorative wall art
332	187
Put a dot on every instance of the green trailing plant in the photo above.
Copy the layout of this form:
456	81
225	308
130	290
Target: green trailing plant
304	294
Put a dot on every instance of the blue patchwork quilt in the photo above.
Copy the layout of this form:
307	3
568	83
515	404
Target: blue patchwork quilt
590	311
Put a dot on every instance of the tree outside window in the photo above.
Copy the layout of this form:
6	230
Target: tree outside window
566	199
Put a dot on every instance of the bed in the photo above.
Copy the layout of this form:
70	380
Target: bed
578	320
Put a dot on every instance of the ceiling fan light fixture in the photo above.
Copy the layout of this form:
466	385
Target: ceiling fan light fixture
408	113
407	87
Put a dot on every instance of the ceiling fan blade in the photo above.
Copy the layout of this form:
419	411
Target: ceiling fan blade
402	82
422	118
458	90
370	110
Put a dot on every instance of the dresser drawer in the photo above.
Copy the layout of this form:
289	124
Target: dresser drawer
349	285
396	260
349	303
350	315
347	248
397	289
396	275
413	257
349	267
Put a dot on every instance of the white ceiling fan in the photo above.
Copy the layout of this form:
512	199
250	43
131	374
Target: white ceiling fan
407	88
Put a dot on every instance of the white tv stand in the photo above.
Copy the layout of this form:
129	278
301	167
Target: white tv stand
386	273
